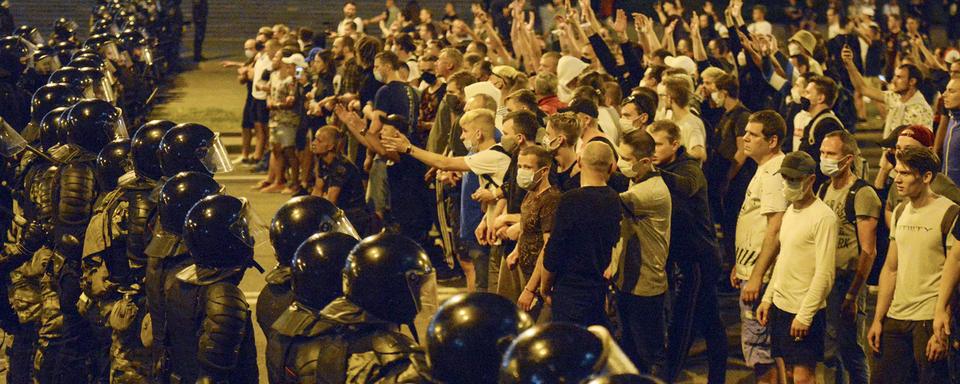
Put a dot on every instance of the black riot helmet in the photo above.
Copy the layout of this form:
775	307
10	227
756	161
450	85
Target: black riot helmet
219	232
68	75
97	84
14	53
104	44
64	29
29	33
46	59
131	39
387	275
480	325
88	60
102	26
52	129
144	145
92	123
113	161
50	96
626	378
192	147
65	50
553	353
178	194
317	268
301	217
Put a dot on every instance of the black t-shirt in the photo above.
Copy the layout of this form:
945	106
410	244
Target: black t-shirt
585	230
344	174
511	191
396	97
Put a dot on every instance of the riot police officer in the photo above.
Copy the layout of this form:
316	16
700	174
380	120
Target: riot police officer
192	147
166	254
479	325
64	333
14	100
388	280
317	279
205	300
296	220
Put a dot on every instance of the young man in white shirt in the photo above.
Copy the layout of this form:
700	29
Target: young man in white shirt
793	305
489	161
757	238
903	329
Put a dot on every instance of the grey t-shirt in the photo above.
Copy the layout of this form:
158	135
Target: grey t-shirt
866	203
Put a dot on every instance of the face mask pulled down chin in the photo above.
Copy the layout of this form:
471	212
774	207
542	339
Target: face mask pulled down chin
805	103
717	98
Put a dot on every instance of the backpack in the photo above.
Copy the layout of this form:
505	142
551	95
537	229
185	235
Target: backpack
849	209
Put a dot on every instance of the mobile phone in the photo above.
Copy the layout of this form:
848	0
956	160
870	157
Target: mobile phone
299	72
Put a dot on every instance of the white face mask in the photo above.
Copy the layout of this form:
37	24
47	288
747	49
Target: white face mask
626	125
830	167
249	53
627	168
717	98
525	178
792	192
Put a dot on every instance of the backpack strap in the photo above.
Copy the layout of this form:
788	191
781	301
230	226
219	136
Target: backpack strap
949	218
822	192
811	135
896	215
850	209
486	177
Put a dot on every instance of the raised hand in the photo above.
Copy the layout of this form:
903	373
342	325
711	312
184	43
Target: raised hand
620	22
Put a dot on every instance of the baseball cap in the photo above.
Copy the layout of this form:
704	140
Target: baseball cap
917	132
505	72
295	59
583	106
798	164
682	62
951	56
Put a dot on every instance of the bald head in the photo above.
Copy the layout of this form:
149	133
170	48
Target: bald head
596	156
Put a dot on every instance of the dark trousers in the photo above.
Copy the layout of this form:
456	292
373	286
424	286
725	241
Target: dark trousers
21	353
642	319
903	358
580	305
695	309
200	11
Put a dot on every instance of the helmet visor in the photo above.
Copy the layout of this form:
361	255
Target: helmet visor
251	229
110	51
162	244
423	287
341	224
47	64
11	143
103	90
614	361
217	160
147	55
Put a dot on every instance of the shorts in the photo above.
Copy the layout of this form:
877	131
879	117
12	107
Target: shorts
806	351
246	121
754	338
283	135
260	112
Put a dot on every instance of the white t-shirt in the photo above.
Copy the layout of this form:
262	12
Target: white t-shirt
263	63
764	196
920	257
692	131
798	285
491	166
609	122
915	110
489	162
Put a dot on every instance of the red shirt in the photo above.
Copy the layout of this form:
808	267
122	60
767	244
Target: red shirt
550	104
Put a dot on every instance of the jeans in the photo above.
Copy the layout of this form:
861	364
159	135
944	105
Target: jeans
480	255
695	309
580	305
903	359
843	349
644	330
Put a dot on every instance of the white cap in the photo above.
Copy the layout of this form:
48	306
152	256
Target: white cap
484	87
951	56
682	62
296	59
568	68
867	10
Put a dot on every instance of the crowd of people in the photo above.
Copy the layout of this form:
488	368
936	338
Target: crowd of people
595	178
